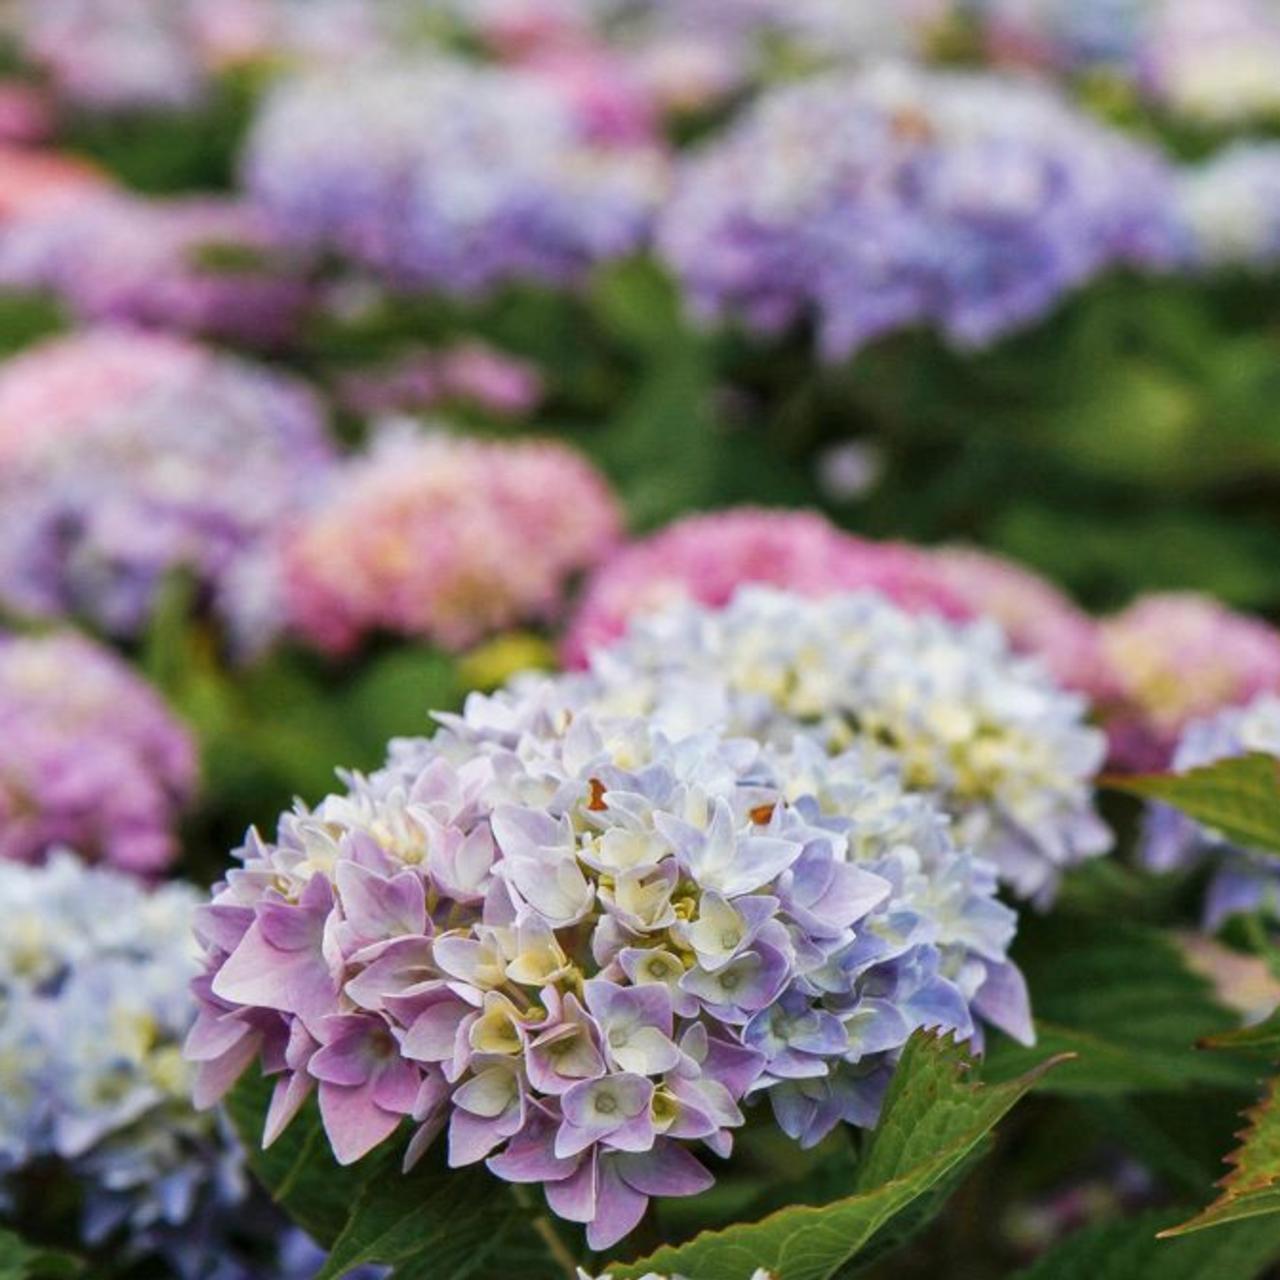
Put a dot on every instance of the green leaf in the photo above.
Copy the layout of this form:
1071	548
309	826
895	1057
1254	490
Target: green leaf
432	1224
1122	998
934	1117
1263	1037
298	1169
1130	1249
1252	1188
22	1261
1239	797
438	1223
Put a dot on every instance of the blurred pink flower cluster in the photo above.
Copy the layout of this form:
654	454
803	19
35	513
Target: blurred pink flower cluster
705	558
1177	657
469	373
34	182
444	538
1164	661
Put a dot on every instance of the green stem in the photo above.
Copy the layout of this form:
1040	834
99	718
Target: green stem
546	1230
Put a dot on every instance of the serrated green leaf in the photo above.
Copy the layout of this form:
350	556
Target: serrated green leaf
438	1223
1263	1037
433	1224
1122	998
1239	797
298	1169
1131	1250
22	1261
933	1118
1252	1188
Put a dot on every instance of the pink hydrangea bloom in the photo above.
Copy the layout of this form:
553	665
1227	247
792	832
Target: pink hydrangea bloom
605	89
1178	657
705	558
447	539
25	114
1037	617
90	757
470	373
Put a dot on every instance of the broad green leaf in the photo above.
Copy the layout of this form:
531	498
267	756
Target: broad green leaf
1252	1188
1263	1037
433	1224
22	1261
1129	1249
1239	797
298	1169
934	1117
1177	1138
1122	998
438	1223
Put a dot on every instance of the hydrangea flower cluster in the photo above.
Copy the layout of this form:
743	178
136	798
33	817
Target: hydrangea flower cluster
1066	36
944	706
1244	880
1231	207
163	54
89	756
1178	657
897	196
94	1004
420	380
1037	618
445	538
26	116
39	182
446	175
200	265
580	945
706	558
1214	61
126	456
118	54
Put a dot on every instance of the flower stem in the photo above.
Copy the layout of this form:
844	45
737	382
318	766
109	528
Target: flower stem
550	1236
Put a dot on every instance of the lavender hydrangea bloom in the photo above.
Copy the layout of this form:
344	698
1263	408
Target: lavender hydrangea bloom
898	197
1231	207
1243	879
579	945
94	1002
199	265
128	55
126	456
945	706
90	756
1067	36
443	175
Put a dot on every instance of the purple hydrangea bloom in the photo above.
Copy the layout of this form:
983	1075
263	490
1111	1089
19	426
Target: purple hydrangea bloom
199	265
129	55
1244	880
90	757
577	946
127	456
896	197
439	174
1066	36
